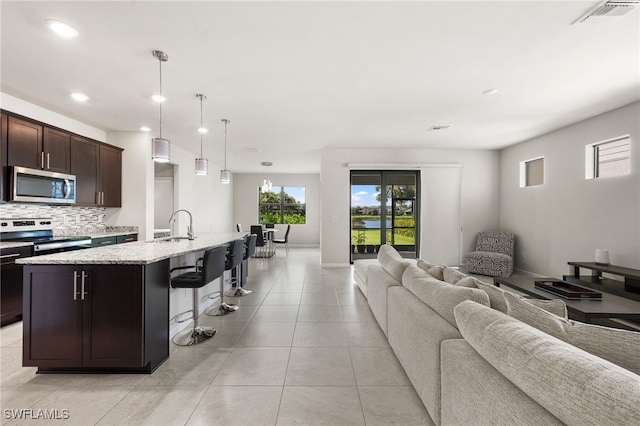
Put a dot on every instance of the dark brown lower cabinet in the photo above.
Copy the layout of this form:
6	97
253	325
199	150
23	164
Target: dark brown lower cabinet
11	284
96	317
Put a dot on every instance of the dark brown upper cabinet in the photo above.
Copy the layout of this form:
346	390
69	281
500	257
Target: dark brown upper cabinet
98	171
4	175
36	146
56	147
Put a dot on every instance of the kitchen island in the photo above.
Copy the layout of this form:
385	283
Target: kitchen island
103	309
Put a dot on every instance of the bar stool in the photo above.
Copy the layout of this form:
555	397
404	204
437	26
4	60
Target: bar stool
234	258
242	271
213	264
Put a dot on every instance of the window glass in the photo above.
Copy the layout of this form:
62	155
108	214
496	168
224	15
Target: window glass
283	204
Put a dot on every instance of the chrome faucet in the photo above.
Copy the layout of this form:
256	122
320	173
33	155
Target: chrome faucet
172	219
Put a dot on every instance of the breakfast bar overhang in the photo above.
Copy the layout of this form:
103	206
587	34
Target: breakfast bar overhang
104	309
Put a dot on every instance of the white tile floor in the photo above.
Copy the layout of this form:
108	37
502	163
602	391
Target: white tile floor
304	349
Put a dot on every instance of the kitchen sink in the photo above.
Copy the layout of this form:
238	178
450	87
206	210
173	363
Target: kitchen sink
168	239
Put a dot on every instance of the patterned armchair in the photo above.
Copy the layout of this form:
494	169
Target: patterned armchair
493	255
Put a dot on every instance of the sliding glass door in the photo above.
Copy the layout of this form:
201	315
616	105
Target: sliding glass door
384	208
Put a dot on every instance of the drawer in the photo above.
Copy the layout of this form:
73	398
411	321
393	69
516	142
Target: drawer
126	238
103	241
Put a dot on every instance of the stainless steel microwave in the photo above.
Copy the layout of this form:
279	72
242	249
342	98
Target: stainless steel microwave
41	186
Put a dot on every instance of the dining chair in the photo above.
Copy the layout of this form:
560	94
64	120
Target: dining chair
284	240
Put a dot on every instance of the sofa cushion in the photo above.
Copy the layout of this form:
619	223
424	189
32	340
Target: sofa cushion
573	385
438	295
620	347
435	270
391	261
452	275
498	302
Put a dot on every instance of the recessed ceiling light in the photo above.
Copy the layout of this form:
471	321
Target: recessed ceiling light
145	129
203	130
62	29
253	150
80	97
490	92
158	98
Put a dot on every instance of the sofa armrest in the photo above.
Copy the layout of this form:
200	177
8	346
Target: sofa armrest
473	392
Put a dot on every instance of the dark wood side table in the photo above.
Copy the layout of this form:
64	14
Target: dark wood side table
589	311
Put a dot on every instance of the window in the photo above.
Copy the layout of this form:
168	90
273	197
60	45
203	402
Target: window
283	204
609	158
532	172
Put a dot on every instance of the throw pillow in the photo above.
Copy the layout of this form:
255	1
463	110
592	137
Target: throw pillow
438	295
617	346
451	275
470	282
391	261
435	270
495	296
554	306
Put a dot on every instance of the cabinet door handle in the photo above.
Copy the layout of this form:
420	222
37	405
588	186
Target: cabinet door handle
47	161
82	292
75	285
42	160
102	199
105	242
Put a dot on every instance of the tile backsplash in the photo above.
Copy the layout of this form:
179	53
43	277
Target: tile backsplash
67	220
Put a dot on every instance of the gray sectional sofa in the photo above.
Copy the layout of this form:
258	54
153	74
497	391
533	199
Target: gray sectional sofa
476	355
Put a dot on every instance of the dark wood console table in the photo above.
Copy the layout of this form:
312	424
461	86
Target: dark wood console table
589	311
629	288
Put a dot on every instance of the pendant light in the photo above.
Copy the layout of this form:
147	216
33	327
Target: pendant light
267	184
160	147
202	165
225	175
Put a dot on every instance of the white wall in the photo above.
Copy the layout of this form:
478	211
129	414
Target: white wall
18	106
480	202
137	183
568	217
245	204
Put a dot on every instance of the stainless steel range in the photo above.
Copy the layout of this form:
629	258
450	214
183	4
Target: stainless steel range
39	232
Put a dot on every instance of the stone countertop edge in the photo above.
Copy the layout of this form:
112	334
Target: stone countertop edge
134	253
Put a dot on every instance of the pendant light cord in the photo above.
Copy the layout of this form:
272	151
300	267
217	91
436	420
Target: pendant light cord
201	126
160	61
225	142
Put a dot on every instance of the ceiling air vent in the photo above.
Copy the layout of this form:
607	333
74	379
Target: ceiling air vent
608	9
438	127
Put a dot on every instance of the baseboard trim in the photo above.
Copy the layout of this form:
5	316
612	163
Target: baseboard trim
335	265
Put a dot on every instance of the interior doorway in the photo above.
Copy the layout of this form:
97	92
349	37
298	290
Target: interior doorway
385	206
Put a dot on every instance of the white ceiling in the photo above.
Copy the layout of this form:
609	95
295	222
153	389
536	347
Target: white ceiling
297	77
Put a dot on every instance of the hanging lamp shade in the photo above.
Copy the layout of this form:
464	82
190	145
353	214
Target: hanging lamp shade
160	147
225	175
202	164
160	150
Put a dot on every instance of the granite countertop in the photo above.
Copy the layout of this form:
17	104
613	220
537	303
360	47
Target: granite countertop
134	253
